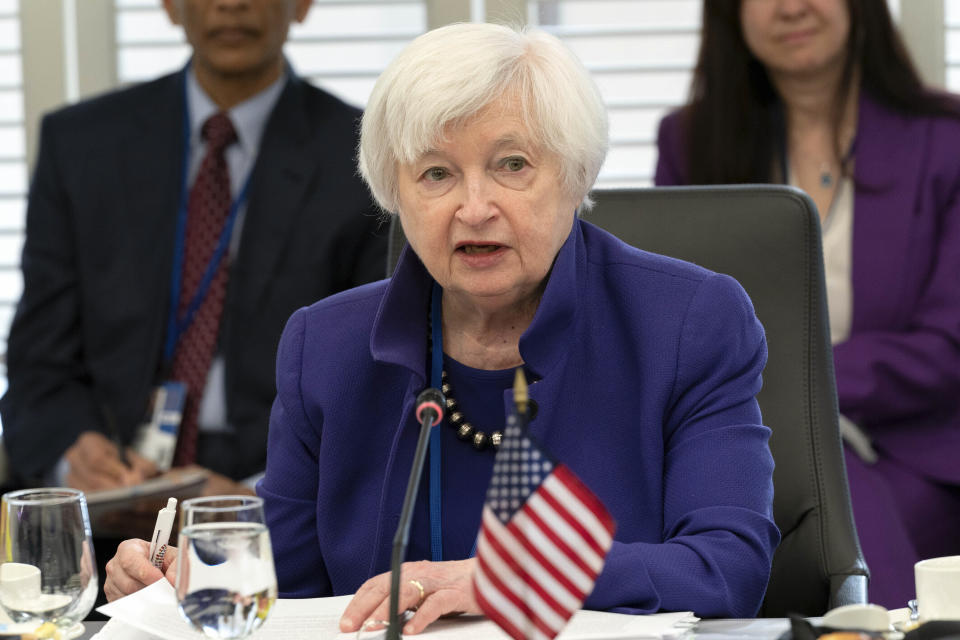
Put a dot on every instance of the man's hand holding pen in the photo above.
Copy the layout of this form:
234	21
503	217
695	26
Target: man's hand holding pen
95	463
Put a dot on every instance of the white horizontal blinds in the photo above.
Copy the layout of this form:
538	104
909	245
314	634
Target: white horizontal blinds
952	44
13	168
641	53
147	44
342	46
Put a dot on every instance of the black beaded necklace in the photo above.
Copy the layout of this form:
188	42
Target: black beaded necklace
465	430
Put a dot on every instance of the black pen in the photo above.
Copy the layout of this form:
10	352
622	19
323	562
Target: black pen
114	431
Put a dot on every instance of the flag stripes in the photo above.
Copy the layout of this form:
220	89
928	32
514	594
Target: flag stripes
582	504
504	611
562	536
532	537
532	604
536	567
554	513
535	575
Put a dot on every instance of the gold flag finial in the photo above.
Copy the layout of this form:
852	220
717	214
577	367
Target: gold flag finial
520	396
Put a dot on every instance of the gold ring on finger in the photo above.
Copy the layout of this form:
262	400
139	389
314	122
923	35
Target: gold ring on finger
423	593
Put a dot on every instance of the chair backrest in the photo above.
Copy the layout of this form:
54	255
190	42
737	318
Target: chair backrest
768	238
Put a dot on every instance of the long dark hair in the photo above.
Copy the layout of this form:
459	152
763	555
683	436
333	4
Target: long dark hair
734	122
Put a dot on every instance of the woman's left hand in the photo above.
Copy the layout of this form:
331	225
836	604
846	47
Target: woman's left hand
447	589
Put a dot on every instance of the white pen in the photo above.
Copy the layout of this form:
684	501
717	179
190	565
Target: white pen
161	533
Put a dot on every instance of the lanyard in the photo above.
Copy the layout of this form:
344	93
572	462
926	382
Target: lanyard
178	324
436	375
436	380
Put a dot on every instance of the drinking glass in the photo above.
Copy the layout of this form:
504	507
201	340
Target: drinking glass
48	573
226	582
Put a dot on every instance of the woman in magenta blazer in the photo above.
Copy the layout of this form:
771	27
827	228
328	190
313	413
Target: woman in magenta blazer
822	94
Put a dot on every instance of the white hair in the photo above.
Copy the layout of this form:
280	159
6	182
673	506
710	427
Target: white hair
449	74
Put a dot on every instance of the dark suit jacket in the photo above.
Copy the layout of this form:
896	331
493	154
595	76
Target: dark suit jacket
97	260
898	374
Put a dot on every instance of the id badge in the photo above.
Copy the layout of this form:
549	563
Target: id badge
156	438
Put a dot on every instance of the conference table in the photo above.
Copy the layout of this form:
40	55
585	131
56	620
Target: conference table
739	629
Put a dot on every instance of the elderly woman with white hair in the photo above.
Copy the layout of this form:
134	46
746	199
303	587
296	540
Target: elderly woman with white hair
485	141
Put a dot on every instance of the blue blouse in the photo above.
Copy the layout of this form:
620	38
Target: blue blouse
465	471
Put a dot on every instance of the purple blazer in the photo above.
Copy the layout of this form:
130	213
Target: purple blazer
647	369
898	374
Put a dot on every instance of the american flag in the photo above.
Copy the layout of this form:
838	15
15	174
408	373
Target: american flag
542	541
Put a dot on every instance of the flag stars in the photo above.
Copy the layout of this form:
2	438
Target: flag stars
518	470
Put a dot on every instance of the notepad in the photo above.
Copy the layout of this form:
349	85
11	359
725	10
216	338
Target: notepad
109	509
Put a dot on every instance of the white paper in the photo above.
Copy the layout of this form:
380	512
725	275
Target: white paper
153	613
116	630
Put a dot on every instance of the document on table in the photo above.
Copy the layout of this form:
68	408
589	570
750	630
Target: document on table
151	614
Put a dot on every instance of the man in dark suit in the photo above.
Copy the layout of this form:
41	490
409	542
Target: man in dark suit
105	246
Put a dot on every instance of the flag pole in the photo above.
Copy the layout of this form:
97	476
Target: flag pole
521	395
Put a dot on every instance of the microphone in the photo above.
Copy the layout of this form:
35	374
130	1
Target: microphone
430	403
429	412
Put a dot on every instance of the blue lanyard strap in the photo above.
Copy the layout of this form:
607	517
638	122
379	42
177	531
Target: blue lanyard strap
436	380
178	324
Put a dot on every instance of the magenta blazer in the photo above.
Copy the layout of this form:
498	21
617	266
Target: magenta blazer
898	374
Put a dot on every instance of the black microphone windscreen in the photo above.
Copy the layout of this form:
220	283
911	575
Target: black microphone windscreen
431	398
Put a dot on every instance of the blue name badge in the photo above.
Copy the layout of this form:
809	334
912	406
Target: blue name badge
156	438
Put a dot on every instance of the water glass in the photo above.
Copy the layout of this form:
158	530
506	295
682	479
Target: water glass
226	582
47	569
222	509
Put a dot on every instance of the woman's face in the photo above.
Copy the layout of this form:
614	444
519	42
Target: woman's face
796	37
485	209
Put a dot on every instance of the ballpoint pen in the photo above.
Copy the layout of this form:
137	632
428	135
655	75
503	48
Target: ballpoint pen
114	431
161	533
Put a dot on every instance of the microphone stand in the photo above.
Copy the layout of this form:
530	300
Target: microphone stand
430	405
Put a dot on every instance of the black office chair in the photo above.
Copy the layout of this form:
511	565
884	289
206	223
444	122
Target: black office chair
768	238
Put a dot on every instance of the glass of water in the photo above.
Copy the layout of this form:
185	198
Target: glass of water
226	583
48	573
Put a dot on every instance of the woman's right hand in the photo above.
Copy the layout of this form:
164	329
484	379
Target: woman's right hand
131	570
